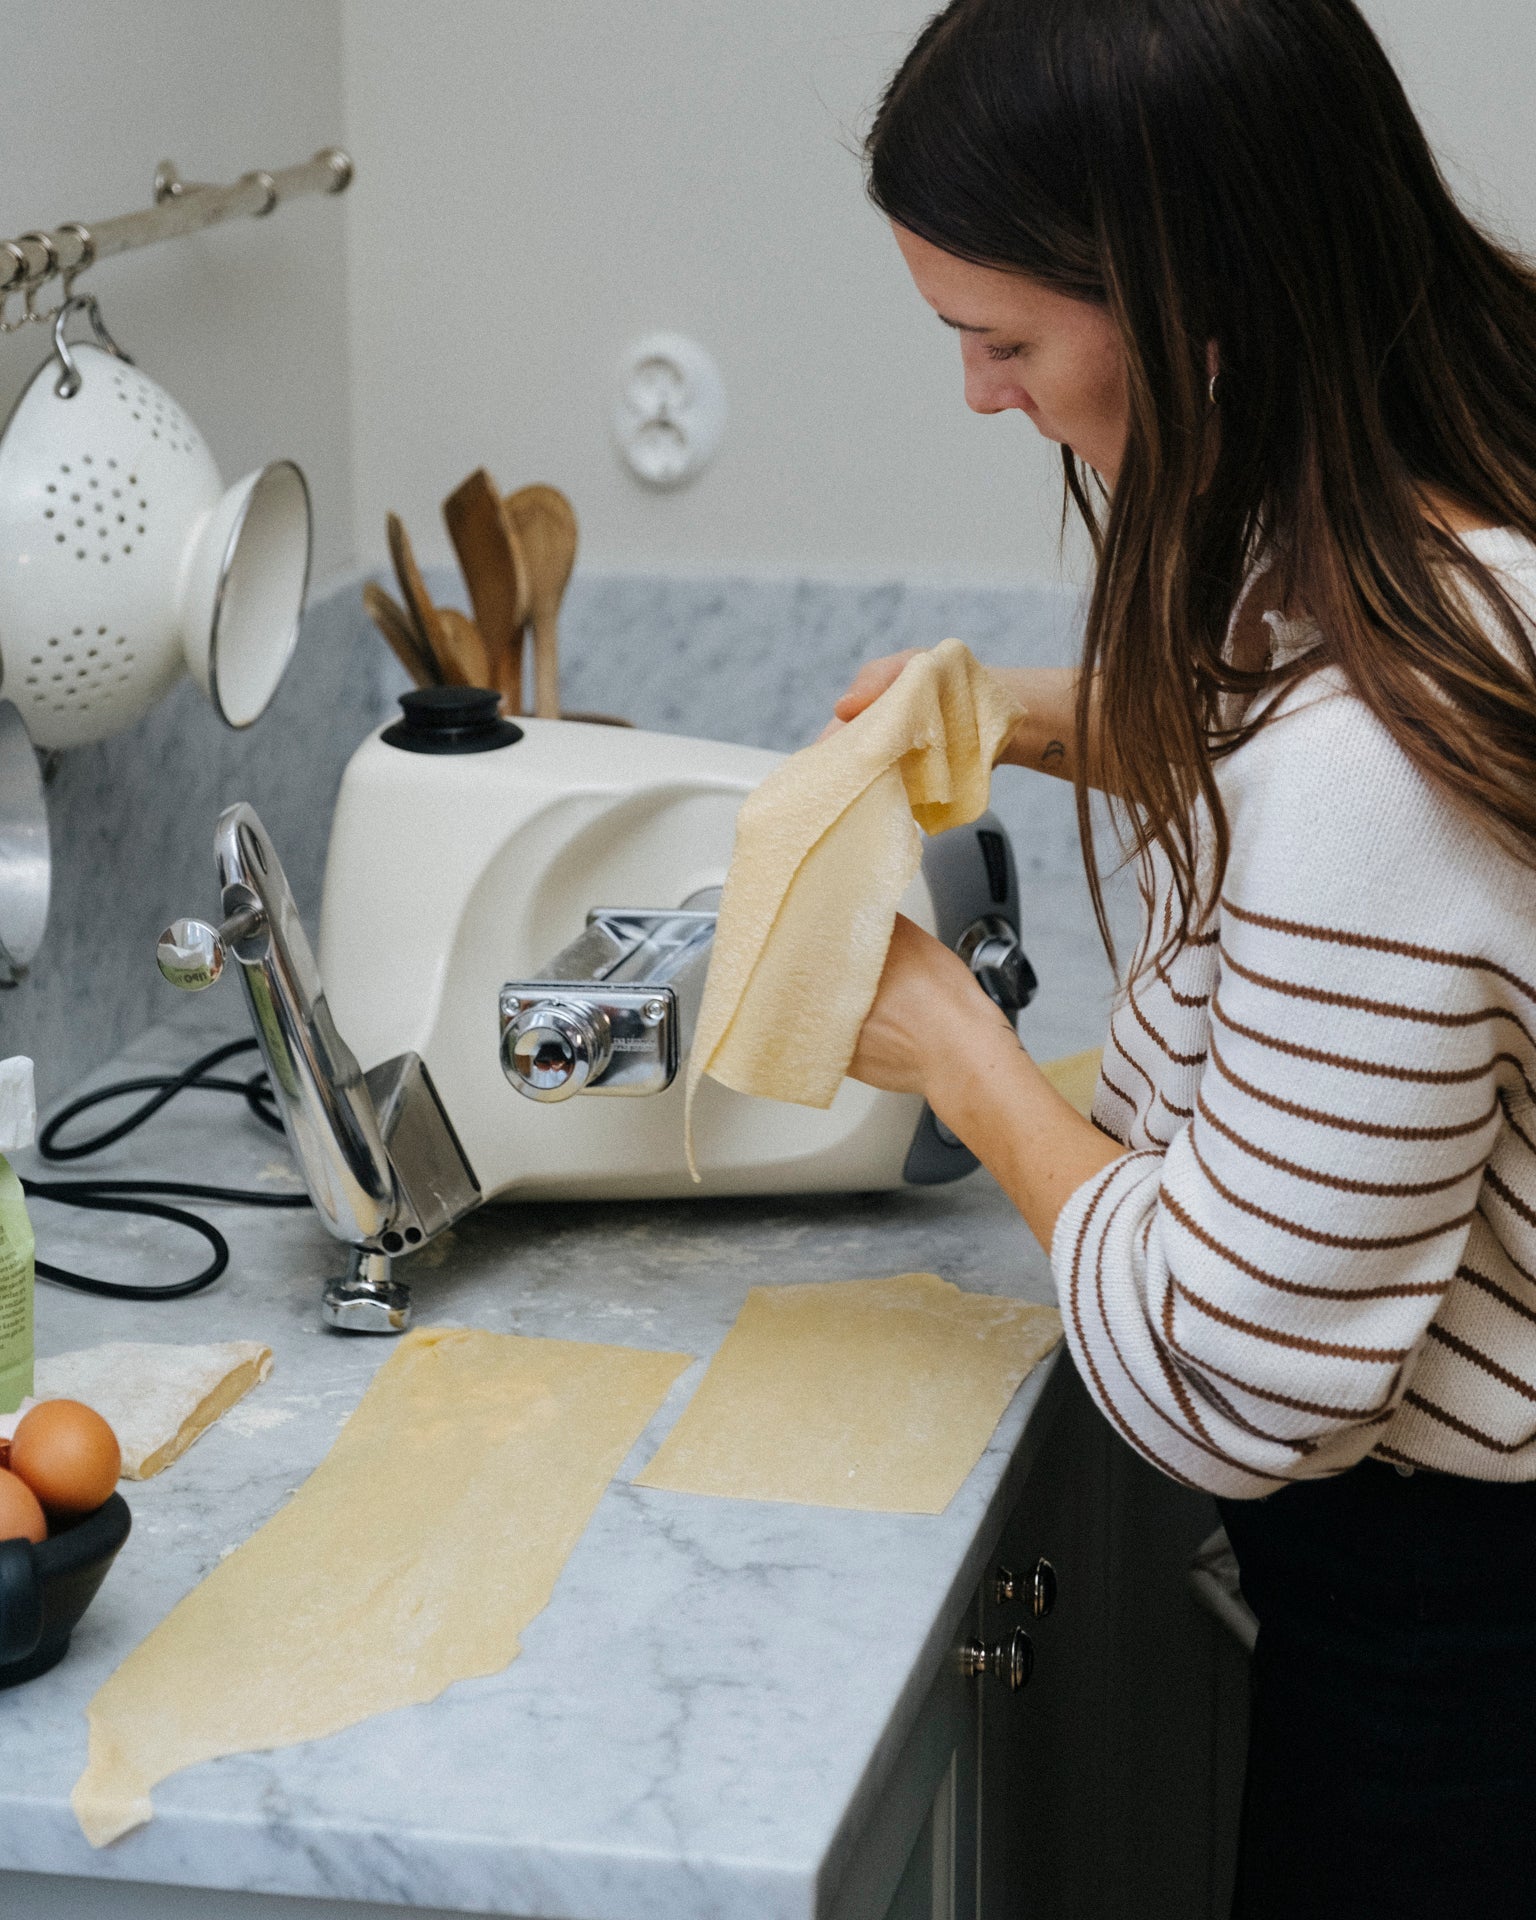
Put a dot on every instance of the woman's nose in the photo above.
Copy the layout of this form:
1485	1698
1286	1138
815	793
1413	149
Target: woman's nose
989	386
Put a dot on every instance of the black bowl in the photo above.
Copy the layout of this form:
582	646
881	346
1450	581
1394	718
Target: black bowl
45	1590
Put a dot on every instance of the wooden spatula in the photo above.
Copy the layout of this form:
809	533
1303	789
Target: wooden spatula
546	524
470	656
496	572
413	590
395	624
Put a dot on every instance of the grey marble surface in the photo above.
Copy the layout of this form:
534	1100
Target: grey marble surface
758	662
704	1716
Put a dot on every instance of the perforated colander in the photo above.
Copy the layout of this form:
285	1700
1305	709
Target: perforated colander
124	561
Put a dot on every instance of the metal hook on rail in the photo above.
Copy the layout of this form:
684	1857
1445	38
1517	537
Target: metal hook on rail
18	272
32	278
87	255
268	185
69	381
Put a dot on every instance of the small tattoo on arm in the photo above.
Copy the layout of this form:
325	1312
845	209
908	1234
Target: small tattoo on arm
1055	751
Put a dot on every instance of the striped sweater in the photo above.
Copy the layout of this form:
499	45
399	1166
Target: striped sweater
1322	1242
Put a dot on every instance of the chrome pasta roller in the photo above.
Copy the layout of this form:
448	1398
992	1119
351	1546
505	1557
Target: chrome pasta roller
616	1010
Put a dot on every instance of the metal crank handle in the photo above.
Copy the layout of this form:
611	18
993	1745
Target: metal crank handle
990	947
191	953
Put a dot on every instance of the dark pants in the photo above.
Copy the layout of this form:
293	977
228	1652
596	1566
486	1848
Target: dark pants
1392	1758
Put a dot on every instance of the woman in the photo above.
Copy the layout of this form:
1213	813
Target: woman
1203	244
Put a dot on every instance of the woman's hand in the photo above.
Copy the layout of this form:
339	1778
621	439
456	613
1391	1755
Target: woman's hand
928	1009
933	1031
1044	739
869	683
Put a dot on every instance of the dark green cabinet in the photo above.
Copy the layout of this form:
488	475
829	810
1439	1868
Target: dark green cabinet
1106	1785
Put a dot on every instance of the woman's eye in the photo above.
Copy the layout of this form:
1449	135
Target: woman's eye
1003	353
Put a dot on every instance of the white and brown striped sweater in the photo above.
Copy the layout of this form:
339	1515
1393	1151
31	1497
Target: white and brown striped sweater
1322	1244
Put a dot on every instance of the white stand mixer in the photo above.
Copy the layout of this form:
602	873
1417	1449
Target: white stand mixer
465	851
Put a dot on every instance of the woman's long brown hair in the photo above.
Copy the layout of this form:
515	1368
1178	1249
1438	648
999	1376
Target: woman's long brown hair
1247	176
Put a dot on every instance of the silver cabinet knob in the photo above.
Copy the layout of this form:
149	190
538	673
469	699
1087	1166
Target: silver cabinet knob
191	954
1037	1591
552	1050
1042	1588
1015	1660
1011	1661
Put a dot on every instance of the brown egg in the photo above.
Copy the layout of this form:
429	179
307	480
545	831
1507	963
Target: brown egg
21	1518
67	1455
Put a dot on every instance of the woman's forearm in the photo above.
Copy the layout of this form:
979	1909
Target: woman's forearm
1036	1146
1046	738
933	1031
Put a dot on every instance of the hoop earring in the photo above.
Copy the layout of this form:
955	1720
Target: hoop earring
1215	396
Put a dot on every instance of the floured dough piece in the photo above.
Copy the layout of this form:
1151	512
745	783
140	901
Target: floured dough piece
413	1556
873	1394
825	848
156	1399
1075	1076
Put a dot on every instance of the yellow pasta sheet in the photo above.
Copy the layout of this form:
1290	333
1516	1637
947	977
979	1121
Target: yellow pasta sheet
1075	1076
874	1394
825	848
413	1556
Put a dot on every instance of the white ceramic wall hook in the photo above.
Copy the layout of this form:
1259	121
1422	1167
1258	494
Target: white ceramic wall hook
670	411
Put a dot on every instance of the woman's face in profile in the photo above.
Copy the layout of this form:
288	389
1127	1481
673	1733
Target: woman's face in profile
1024	346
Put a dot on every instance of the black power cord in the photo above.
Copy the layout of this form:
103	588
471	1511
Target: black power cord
132	1196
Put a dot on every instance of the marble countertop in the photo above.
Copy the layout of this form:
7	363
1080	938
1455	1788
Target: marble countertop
701	1721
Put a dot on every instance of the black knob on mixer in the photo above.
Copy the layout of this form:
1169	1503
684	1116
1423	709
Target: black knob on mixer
451	720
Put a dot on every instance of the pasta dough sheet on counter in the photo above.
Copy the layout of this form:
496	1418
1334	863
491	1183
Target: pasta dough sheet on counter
872	1394
413	1556
1075	1076
825	848
157	1399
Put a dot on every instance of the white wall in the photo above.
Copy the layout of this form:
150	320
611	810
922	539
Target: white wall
542	183
246	324
1470	69
538	184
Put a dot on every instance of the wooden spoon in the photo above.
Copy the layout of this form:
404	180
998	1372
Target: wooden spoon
414	590
469	653
496	572
546	524
394	623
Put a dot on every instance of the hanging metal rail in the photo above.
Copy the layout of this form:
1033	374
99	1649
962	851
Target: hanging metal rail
31	260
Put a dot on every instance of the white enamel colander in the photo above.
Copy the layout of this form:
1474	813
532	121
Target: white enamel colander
124	561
